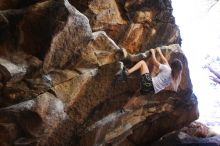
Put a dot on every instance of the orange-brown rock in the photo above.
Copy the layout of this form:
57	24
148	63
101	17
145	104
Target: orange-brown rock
106	16
106	13
151	18
144	16
133	38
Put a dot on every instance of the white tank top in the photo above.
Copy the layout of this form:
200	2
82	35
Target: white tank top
163	78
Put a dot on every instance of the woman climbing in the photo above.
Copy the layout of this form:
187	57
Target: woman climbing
168	74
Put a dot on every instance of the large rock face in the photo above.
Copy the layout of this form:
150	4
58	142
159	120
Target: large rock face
136	26
31	29
57	73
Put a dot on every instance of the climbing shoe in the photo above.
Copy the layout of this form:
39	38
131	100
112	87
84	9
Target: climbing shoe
122	74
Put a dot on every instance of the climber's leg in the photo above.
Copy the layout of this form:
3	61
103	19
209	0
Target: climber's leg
140	65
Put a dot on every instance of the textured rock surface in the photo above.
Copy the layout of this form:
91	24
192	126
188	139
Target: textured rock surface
66	44
198	129
181	138
31	29
137	26
58	73
144	120
25	121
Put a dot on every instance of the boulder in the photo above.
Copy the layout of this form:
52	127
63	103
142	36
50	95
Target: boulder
32	28
181	138
100	51
198	129
104	112
30	120
15	71
106	16
105	13
141	121
69	42
68	94
136	26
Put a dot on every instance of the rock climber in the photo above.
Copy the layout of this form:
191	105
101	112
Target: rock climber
167	74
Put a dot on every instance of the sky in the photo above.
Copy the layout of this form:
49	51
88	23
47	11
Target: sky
199	22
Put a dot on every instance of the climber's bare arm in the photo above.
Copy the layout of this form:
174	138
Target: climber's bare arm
154	59
164	60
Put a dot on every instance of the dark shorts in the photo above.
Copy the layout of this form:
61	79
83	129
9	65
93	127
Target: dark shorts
146	84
